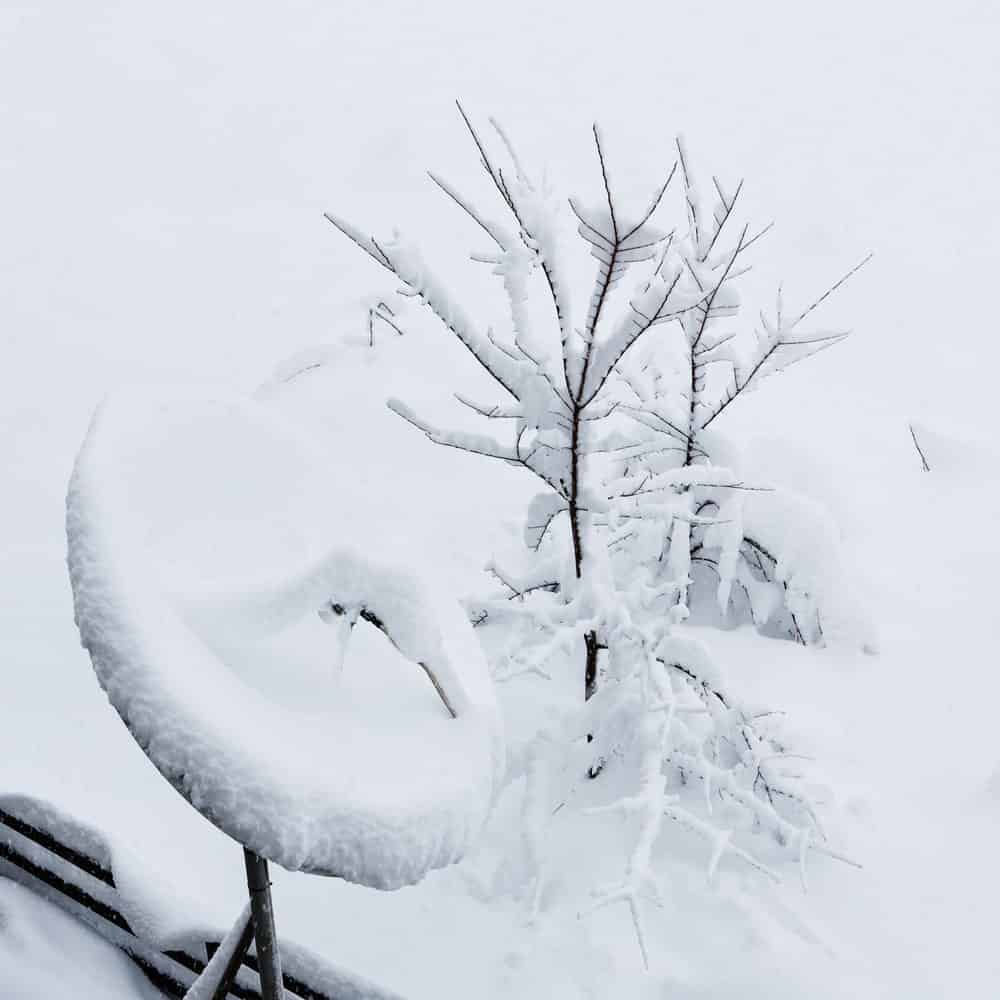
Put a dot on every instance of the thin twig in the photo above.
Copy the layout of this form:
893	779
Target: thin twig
920	451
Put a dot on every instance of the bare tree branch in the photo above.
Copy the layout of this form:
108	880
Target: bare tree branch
468	209
420	281
920	451
854	270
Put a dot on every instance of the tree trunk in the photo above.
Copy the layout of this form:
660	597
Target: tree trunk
590	673
590	662
591	643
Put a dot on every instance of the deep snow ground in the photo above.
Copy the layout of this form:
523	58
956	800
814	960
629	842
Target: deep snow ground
163	175
46	953
907	752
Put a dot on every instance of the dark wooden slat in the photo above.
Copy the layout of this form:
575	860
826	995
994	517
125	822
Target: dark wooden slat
163	982
196	966
74	892
292	983
107	912
46	840
297	988
50	888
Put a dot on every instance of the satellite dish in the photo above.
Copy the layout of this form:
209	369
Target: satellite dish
203	533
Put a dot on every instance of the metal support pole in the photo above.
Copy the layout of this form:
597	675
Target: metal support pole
268	957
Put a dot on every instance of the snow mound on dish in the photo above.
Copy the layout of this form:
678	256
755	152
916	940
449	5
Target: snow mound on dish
206	537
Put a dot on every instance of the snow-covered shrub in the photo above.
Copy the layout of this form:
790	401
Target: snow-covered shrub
552	382
685	751
679	500
634	494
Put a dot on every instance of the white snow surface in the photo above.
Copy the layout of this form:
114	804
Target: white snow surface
45	954
162	184
203	543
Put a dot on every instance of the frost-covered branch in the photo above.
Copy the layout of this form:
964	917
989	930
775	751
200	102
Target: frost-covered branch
406	262
481	444
492	229
778	346
616	245
534	222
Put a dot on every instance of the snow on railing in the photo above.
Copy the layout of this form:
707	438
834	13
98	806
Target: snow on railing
57	862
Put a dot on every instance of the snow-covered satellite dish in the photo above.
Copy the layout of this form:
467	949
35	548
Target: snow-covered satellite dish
205	544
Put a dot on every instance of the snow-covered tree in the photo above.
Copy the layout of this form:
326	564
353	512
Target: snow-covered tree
634	490
552	382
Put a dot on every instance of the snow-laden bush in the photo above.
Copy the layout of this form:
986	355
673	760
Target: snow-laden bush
633	495
678	499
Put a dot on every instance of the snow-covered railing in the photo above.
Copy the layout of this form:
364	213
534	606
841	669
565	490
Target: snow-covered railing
67	864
